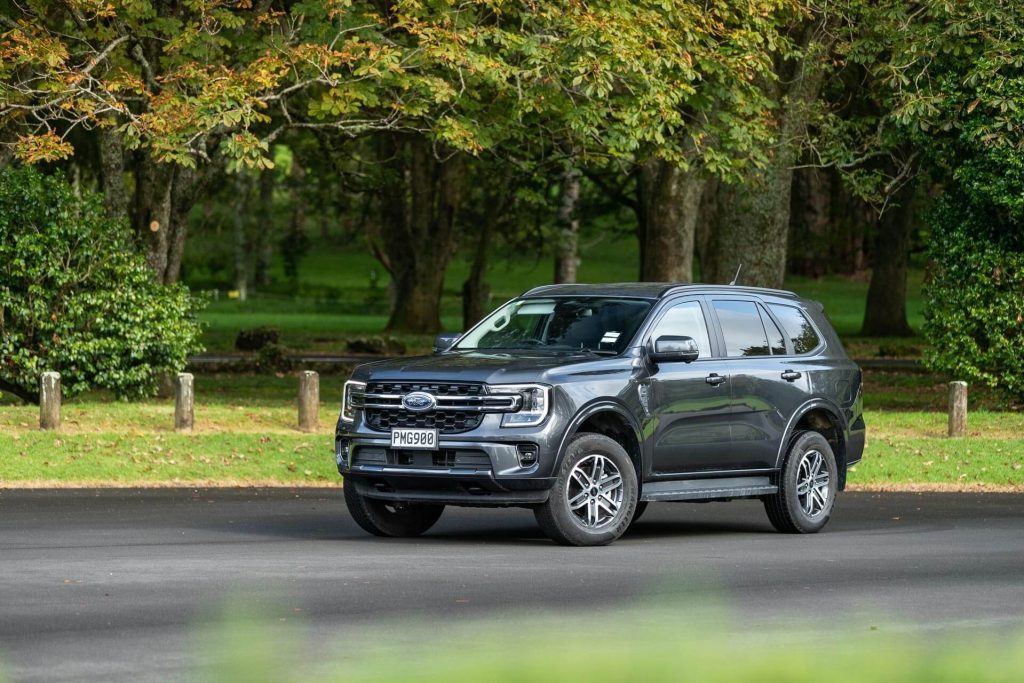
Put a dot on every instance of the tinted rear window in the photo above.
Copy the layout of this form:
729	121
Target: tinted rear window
798	328
742	328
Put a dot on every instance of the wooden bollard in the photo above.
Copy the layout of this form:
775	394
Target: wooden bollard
309	401
49	400
958	408
184	402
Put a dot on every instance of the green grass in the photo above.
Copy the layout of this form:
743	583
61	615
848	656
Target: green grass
335	302
222	459
679	641
246	433
911	448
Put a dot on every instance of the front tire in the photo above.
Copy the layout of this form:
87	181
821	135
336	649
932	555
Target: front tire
387	518
594	496
641	508
807	487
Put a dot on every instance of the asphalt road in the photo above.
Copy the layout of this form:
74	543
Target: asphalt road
116	584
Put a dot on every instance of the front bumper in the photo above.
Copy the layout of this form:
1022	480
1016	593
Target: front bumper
478	468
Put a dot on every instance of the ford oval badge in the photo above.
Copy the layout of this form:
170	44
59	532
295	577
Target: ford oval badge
419	402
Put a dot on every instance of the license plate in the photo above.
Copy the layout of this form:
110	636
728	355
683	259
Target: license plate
423	439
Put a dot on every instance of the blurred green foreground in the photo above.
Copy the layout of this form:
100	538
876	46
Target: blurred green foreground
613	645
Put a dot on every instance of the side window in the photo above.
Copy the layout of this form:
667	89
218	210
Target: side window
775	338
742	328
686	320
798	329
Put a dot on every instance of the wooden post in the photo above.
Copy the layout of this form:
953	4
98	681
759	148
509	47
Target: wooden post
49	400
309	401
958	408
184	403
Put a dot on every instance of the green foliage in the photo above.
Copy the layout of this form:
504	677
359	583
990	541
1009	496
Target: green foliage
974	301
75	296
687	631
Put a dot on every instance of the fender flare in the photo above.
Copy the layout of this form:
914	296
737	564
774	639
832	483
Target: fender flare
588	411
813	404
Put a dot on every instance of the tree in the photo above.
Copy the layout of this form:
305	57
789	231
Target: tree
955	79
974	300
175	90
76	298
753	215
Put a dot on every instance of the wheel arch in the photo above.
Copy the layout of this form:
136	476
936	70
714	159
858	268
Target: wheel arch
612	420
821	416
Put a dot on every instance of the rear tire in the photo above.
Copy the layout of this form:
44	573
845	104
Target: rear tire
387	518
807	487
594	496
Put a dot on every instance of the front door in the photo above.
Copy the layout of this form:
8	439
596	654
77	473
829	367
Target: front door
688	403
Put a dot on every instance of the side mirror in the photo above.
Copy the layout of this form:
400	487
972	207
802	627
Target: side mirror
445	341
672	349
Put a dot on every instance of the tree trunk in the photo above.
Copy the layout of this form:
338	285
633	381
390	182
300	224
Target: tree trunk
152	211
567	256
885	314
265	231
811	230
475	290
186	187
163	198
112	173
707	220
753	217
668	203
415	237
296	242
238	236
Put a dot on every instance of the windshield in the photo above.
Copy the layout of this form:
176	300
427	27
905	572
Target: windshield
598	324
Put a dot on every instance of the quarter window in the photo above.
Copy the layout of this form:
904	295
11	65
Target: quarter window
798	328
686	320
742	329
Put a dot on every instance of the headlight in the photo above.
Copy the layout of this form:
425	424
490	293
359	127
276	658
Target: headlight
536	404
348	411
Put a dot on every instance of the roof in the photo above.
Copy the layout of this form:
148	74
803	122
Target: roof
647	290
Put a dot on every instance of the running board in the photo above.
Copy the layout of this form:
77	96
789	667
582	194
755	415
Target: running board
706	489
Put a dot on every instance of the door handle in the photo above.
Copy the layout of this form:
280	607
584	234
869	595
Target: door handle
714	379
791	375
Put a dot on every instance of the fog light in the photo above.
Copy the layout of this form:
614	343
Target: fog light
527	454
341	450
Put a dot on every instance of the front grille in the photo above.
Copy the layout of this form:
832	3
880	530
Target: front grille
447	422
445	457
460	406
437	389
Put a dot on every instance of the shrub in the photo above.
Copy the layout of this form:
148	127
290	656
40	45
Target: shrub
256	338
76	297
377	345
974	298
273	358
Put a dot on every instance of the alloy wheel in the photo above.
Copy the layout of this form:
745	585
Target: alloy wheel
595	492
812	484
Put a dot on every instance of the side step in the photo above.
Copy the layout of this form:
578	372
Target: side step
706	489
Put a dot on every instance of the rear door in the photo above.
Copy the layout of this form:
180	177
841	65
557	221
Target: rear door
764	391
688	403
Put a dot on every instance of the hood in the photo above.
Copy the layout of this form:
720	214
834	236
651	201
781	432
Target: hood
476	366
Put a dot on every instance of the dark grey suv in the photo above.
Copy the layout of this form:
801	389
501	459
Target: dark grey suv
587	402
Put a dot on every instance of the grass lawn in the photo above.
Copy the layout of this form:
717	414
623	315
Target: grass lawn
246	434
335	301
682	639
